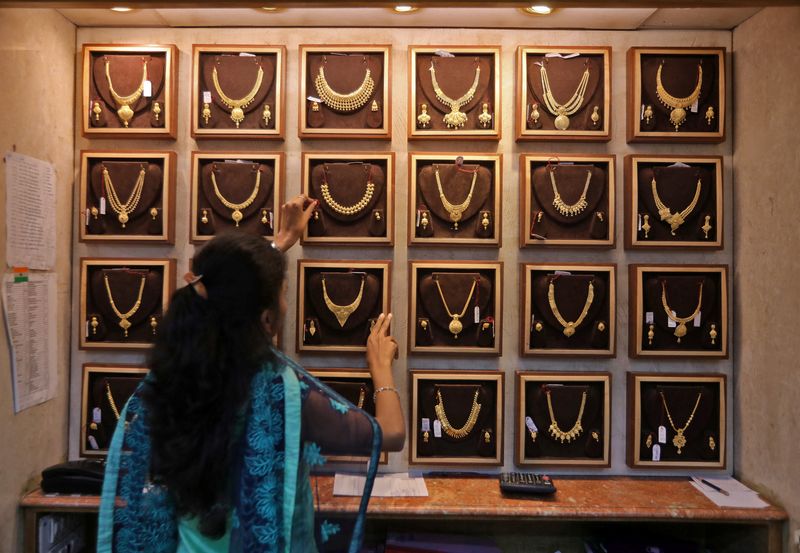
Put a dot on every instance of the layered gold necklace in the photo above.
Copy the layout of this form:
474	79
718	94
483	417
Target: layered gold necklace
455	325
236	208
124	103
123	210
111	401
680	330
464	431
563	111
678	105
674	220
124	323
569	326
555	431
342	312
237	105
456	118
679	440
348	209
565	209
455	210
344	101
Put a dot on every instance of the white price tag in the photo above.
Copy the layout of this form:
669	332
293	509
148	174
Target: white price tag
247	55
206	96
97	415
697	319
679	164
93	443
567	273
418	214
443	54
102	205
87	216
656	452
477	314
270	220
87	329
147	91
639	226
562	56
662	434
314	99
530	424
648	317
693	109
426	424
670	322
641	115
437	429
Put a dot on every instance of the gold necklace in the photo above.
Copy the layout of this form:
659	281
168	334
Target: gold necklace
570	210
124	110
342	312
674	219
236	105
348	209
124	323
569	327
680	330
562	111
339	101
123	210
554	429
455	326
456	118
111	401
455	210
237	208
678	114
679	440
464	431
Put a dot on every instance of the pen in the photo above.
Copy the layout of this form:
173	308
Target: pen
713	487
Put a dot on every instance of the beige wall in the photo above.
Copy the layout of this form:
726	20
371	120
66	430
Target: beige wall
766	243
36	59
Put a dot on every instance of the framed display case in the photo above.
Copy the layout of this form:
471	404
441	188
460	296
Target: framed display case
563	419
455	199
454	91
567	200
678	310
127	196
563	93
673	201
105	391
676	421
456	417
129	91
122	301
676	94
235	191
356	198
238	91
568	309
345	91
338	302
455	307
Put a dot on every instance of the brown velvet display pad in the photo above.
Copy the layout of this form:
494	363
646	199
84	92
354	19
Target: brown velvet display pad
235	174
676	180
483	443
540	330
680	75
431	219
345	69
151	219
351	214
455	76
543	224
358	290
102	385
151	113
237	68
588	446
687	290
473	295
100	324
697	406
565	67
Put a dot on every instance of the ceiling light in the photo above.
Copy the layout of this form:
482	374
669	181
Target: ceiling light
539	9
121	9
405	8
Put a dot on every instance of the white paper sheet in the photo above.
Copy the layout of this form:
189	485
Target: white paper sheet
386	485
739	495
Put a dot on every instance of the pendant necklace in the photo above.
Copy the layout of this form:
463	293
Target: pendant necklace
678	105
342	312
237	105
456	118
454	210
464	431
124	110
563	111
555	431
348	209
674	220
341	101
680	330
124	323
569	210
455	325
124	210
236	215
569	326
679	440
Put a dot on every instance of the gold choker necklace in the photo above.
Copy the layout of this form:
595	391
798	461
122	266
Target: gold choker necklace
124	110
554	429
678	114
679	440
342	312
680	330
569	326
455	326
456	118
124	323
674	220
348	209
464	431
562	111
111	401
237	105
455	210
570	210
346	102
236	215
123	210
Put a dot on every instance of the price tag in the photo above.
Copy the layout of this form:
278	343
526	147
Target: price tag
270	220
648	317
639	226
102	205
530	424
418	215
247	55
314	99
426	424
87	216
147	91
567	273
437	428
670	322
206	97
477	314
562	56
693	109
641	115
87	329
443	54
662	434
679	164
97	415
93	443
656	452
697	319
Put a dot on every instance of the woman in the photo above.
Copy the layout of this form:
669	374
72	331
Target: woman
212	453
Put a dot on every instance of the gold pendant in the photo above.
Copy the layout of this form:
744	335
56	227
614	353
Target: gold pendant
125	325
569	330
677	116
123	218
679	441
455	326
456	118
455	216
680	331
125	114
236	216
562	121
237	116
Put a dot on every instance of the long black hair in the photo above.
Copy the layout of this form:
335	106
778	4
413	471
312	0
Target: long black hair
206	353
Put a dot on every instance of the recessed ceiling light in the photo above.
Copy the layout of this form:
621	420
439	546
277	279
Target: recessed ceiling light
405	8
121	9
539	9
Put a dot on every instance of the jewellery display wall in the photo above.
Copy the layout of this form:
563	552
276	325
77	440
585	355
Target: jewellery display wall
123	301
235	191
676	94
455	307
338	301
676	421
568	309
455	199
678	310
673	201
356	195
345	91
454	91
237	91
127	196
129	91
567	200
105	390
456	417
563	419
563	93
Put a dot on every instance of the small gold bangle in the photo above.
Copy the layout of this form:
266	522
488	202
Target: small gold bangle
384	389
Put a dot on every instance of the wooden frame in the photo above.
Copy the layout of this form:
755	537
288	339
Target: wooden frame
279	106
521	113
496	160
167	287
493	133
634	426
167	161
388	159
382	132
525	189
632	220
169	130
416	376
526	273
636	105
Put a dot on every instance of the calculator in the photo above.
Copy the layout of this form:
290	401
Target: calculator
527	483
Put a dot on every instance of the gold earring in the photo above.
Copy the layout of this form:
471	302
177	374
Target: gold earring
534	434
713	334
316	215
425	436
97	110
707	226
206	113
374	105
650	335
596	115
712	444
423	119
424	220
264	219
485	118
648	114
596	436
539	216
204	218
600	216
487	437
649	441
485	220
156	109
709	115
153	324
94	211
535	113
266	115
314	106
377	215
646	226
601	326
312	328
94	323
153	213
423	324
538	326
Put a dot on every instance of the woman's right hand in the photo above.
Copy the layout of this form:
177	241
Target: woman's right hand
381	351
295	215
